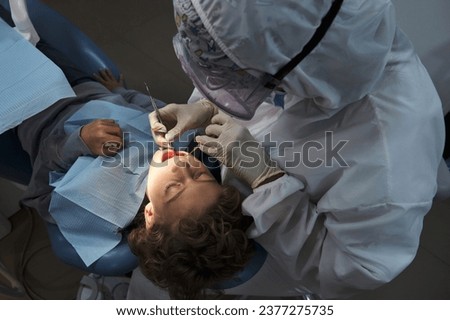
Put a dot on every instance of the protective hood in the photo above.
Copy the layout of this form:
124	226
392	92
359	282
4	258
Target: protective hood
264	35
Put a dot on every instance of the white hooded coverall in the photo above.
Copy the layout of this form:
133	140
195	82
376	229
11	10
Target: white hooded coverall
334	227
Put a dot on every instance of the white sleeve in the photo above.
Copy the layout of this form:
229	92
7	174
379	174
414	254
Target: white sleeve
333	254
195	96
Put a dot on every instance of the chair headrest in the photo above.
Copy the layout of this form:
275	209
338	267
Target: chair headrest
249	271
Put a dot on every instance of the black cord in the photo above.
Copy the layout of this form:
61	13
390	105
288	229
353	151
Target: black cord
318	35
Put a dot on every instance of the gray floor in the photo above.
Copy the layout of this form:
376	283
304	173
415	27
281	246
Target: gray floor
137	36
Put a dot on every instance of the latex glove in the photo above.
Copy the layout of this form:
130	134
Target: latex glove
102	137
179	118
234	146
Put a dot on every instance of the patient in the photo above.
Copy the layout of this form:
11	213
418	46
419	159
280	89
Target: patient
192	231
191	234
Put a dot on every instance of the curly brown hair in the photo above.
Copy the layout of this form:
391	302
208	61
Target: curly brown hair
197	253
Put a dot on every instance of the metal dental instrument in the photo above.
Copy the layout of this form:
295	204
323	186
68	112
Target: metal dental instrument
158	113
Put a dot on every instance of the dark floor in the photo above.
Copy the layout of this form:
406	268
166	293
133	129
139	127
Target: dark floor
137	36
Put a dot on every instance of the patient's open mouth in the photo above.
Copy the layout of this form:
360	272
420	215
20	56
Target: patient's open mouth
169	153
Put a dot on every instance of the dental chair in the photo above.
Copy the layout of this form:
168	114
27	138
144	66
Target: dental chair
17	167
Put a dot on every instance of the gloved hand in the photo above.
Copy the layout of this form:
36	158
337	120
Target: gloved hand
234	146
178	118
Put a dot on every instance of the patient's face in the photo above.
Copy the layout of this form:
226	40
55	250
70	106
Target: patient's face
178	186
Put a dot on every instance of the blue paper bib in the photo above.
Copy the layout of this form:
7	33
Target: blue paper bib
100	195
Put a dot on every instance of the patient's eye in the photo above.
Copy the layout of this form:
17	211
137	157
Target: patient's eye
200	175
171	186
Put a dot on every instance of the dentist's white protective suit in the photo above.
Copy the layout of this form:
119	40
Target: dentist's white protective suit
330	227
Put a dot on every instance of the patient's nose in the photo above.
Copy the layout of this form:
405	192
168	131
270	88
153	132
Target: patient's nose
182	162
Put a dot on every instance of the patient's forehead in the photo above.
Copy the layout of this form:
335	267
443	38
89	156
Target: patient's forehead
196	200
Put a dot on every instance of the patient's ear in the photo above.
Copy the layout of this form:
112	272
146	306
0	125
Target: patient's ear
149	216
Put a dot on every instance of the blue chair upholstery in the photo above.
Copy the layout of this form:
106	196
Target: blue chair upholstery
116	262
65	37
